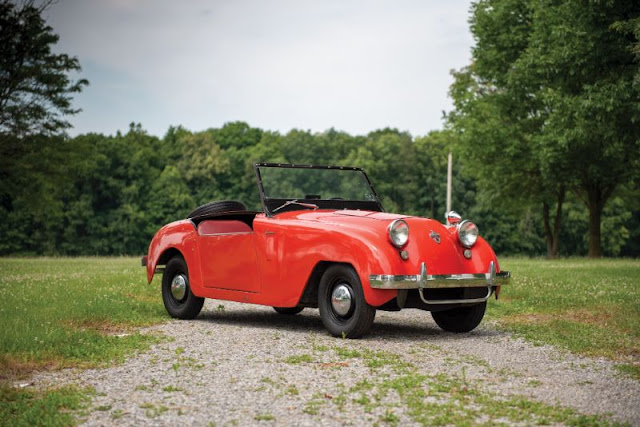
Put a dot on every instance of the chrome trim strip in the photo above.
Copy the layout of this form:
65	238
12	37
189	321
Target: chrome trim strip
159	269
424	280
454	301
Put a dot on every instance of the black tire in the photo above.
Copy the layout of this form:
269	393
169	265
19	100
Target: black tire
289	311
357	321
187	306
460	319
217	207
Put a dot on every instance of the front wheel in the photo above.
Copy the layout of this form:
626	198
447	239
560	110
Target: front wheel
178	299
343	309
460	319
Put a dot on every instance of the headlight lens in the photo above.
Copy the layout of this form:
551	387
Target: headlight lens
467	233
399	233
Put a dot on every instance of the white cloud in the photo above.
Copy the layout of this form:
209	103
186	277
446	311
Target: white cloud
354	65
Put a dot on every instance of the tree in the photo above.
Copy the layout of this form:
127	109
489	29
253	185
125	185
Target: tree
551	89
35	88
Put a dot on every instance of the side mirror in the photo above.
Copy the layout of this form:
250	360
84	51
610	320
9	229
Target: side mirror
452	217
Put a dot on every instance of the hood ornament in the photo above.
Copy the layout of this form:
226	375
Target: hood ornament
434	236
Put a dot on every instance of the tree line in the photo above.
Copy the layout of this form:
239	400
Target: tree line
100	194
544	132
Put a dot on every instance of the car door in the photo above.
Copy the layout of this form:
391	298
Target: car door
228	256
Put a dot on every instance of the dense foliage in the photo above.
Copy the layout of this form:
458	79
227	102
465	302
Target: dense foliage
107	195
550	105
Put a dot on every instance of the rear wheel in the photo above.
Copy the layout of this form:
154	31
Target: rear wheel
178	299
290	311
460	319
343	309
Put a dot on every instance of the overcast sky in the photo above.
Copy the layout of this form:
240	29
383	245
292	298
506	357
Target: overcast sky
354	65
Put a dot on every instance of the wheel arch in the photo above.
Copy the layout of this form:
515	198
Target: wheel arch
169	253
309	296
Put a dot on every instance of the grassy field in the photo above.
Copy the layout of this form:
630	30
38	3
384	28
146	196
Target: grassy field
62	312
59	312
590	307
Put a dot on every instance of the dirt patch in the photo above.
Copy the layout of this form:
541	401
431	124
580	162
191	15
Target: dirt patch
580	316
103	327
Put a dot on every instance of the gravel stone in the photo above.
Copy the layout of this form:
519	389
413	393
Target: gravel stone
239	364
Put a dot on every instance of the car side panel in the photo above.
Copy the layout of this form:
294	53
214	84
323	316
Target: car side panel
228	261
288	251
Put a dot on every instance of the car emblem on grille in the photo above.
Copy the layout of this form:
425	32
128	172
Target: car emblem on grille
435	236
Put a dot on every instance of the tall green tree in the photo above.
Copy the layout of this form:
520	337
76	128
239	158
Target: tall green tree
35	87
550	96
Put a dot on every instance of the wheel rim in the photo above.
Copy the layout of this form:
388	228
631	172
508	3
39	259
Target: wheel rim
342	300
179	287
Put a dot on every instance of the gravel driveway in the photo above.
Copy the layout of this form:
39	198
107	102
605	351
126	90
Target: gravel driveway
241	364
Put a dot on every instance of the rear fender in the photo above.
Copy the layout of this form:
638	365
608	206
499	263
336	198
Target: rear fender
177	238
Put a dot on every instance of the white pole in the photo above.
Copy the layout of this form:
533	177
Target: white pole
449	178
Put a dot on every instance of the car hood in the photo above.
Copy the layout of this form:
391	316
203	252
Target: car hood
363	220
429	240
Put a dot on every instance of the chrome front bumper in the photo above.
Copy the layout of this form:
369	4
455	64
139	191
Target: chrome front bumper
439	281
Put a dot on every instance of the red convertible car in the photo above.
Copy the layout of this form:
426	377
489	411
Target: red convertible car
323	240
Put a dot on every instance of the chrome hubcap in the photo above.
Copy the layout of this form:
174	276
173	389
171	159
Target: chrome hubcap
341	300
179	286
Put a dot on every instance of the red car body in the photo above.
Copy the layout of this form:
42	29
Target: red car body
279	258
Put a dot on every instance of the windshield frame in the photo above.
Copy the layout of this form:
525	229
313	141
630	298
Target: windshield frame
270	204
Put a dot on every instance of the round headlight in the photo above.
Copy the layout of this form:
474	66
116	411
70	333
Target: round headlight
399	232
467	233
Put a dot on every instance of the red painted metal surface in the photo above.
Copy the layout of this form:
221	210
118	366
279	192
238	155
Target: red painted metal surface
272	264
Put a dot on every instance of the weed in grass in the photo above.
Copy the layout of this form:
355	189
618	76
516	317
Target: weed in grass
175	366
389	417
264	417
300	358
633	370
363	400
117	414
268	380
292	390
41	407
141	387
312	407
347	353
320	348
103	408
171	389
179	351
220	308
153	411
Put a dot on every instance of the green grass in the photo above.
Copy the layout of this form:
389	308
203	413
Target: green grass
61	312
590	307
24	407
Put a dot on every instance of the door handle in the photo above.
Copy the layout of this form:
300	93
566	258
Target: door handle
267	232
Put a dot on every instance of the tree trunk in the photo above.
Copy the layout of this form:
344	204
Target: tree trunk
558	221
548	234
552	232
596	204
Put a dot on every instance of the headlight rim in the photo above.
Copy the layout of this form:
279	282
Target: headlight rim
390	232
464	243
